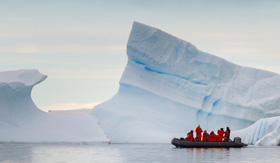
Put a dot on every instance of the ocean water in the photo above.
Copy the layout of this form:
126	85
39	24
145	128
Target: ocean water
111	153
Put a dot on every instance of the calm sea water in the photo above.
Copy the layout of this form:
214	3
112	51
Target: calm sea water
130	153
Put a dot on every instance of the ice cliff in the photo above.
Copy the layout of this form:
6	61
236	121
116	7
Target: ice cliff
22	121
169	87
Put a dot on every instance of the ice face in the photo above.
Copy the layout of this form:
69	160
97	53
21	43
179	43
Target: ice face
265	131
169	87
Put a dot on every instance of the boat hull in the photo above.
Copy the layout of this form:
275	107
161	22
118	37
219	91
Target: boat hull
206	144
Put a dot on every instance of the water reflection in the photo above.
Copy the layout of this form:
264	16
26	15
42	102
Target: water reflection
205	154
15	153
75	153
132	153
48	153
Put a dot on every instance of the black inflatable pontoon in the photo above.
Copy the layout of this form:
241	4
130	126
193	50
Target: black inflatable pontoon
236	143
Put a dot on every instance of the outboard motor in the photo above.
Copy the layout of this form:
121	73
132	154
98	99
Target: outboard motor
237	139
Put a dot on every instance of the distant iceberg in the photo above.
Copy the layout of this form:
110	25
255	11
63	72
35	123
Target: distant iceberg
169	87
22	121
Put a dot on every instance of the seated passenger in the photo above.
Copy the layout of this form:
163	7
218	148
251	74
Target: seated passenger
190	136
213	136
220	134
205	136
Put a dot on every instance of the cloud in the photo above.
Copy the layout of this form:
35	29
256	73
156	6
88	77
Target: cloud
63	48
70	106
86	73
26	48
85	48
117	47
239	50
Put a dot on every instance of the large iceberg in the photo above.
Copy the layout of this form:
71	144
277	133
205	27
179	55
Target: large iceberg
169	87
22	121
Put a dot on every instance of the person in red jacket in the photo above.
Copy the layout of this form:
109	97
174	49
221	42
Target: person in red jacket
190	136
205	136
218	135
227	133
221	133
213	136
198	132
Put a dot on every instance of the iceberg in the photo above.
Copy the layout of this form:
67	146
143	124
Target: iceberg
22	121
169	87
264	132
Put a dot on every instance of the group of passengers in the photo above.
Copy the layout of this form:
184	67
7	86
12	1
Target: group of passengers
221	135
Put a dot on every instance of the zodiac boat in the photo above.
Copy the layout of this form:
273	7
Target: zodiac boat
181	143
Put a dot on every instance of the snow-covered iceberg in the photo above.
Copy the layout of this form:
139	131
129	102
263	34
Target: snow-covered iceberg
169	87
22	121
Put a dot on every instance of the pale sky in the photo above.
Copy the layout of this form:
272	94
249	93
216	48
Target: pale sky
81	45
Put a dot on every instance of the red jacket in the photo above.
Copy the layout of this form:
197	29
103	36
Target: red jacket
190	138
213	137
228	133
204	136
198	131
220	135
221	132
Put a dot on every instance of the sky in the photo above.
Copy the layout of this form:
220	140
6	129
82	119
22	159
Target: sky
81	44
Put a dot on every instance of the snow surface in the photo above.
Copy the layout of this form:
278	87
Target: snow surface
22	121
169	87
